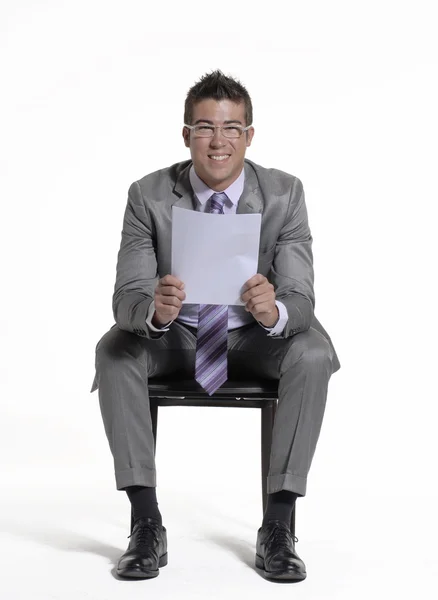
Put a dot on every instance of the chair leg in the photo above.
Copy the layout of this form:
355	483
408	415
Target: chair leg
154	418
268	416
132	520
292	519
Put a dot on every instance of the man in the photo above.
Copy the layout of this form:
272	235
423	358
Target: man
275	335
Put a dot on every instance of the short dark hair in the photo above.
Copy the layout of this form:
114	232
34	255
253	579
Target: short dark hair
218	86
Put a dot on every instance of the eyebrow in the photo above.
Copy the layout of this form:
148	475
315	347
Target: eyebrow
211	122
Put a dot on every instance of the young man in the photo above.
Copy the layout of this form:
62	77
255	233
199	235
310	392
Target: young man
275	335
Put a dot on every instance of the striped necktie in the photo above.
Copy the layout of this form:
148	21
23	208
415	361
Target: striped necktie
212	337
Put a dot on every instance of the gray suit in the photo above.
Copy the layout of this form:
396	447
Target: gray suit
302	358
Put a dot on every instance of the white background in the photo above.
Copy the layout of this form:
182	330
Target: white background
345	97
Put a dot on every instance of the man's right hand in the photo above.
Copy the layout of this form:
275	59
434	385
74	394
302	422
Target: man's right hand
168	299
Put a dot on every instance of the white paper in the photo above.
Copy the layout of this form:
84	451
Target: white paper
214	255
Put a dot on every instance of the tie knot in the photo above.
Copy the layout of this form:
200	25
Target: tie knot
217	201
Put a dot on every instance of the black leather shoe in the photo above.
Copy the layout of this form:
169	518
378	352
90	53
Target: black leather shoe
147	550
275	553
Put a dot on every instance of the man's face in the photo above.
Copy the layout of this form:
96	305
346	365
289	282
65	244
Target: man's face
218	174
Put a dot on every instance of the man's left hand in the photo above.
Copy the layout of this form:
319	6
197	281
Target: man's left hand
259	297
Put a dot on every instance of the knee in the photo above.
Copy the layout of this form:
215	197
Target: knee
117	345
309	348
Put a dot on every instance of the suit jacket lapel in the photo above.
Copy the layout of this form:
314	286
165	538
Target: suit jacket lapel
183	191
250	200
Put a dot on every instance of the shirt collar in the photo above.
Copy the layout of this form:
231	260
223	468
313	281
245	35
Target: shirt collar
203	192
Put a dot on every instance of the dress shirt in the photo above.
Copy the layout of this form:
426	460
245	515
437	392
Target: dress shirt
237	315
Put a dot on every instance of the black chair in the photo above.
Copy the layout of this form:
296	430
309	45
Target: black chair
251	394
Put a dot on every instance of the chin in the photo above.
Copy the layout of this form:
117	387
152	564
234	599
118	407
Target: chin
212	175
220	173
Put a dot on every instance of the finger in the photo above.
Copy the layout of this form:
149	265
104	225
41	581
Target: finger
167	302
255	280
257	290
262	309
261	303
170	290
171	280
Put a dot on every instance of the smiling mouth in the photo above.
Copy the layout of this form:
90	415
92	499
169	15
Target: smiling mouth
219	159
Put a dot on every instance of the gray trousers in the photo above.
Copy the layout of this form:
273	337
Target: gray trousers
302	364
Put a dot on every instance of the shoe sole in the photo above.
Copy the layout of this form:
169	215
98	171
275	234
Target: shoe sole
139	573
283	575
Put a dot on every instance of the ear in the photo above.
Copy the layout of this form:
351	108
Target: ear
186	136
249	136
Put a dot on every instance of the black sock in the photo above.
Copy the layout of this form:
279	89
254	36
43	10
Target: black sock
280	506
144	502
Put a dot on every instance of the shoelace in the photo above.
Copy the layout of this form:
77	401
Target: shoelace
146	532
281	534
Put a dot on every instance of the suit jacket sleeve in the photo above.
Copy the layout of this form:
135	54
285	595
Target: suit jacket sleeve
136	276
292	268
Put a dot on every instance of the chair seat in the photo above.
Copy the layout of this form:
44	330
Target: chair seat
251	393
247	388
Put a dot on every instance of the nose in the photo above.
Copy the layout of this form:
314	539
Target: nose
218	139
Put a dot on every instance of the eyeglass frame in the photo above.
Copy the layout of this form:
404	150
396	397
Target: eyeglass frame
219	127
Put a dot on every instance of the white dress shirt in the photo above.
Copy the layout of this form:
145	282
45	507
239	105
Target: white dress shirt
237	315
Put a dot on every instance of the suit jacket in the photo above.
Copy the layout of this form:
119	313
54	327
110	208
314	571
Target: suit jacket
285	254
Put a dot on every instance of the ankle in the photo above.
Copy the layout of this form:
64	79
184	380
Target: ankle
280	506
144	502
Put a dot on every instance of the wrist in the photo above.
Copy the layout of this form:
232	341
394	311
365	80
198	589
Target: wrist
273	320
158	322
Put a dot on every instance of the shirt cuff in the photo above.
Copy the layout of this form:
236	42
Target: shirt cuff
149	319
281	323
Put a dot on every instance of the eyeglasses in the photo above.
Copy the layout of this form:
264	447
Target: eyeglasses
206	131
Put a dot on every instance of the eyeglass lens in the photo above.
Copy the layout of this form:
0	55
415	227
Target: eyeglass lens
230	131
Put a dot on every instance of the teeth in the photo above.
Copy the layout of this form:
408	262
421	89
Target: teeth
219	157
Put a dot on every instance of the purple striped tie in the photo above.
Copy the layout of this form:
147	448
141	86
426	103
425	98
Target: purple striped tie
212	344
